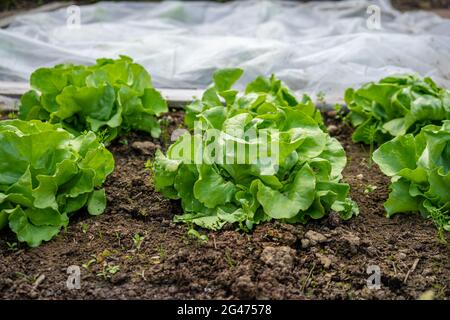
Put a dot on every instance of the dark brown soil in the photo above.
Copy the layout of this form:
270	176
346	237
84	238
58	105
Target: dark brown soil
272	262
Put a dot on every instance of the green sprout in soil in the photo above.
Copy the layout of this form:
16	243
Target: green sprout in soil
12	115
231	263
108	271
84	228
137	241
161	251
340	113
89	263
12	246
192	233
369	189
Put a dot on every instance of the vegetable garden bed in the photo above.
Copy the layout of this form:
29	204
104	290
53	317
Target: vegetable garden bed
135	250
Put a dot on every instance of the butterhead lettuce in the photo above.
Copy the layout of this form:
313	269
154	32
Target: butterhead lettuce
111	97
46	176
420	170
297	178
395	106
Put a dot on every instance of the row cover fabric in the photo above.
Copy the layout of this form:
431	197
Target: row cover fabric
313	47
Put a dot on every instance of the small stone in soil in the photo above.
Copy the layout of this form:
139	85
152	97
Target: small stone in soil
244	288
352	241
305	243
324	260
278	257
144	147
332	129
334	220
315	237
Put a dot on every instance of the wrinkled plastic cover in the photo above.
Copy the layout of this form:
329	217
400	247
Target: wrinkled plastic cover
313	47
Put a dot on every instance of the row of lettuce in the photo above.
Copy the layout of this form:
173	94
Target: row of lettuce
54	159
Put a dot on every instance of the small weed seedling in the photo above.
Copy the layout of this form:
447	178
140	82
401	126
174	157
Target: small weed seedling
161	251
84	228
88	264
12	246
108	271
369	189
202	238
137	241
229	259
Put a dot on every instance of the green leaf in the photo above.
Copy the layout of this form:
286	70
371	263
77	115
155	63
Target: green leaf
299	195
28	232
49	80
396	155
400	200
211	189
97	202
30	107
225	78
153	102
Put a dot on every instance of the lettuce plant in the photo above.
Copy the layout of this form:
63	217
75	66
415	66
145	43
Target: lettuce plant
46	175
111	97
420	170
395	106
253	157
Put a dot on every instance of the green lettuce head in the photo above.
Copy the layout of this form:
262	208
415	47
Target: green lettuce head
253	157
46	176
420	170
395	106
112	97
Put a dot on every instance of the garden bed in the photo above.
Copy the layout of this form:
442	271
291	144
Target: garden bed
323	259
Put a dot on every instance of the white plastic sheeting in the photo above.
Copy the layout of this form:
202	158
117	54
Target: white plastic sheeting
316	46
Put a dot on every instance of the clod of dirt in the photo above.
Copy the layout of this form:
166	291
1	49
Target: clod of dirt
119	278
334	220
324	260
244	288
401	255
282	257
332	129
315	237
305	243
331	113
352	241
371	251
144	147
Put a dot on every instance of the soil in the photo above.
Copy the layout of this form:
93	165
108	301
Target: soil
326	259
